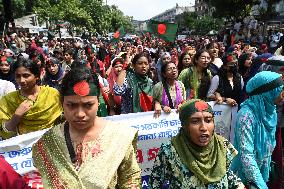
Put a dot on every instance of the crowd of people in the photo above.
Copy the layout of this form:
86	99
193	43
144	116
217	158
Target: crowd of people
69	86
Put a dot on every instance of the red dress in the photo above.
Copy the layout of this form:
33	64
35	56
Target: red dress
9	178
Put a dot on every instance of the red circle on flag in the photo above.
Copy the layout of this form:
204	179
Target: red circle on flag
162	28
82	88
116	34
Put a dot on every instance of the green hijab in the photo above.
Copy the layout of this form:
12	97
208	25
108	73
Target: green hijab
138	83
207	163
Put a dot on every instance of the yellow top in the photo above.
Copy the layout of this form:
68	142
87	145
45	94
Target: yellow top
44	111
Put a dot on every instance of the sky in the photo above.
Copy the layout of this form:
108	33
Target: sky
146	9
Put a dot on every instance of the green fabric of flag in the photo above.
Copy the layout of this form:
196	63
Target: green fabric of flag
163	30
118	34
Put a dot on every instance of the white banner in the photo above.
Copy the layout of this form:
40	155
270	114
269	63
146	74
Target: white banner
152	133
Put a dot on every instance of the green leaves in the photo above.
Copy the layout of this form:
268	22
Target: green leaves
232	9
90	14
199	25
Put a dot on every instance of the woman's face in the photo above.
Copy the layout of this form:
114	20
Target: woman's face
214	50
171	71
25	78
166	59
142	66
186	61
5	67
52	69
201	127
203	60
248	62
117	68
80	111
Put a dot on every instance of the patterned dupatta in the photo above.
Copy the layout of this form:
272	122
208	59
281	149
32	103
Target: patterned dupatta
178	100
52	159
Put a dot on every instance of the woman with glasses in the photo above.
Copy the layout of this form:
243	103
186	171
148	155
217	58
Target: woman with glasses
169	93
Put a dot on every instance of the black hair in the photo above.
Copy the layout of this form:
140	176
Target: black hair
76	75
143	54
121	60
205	79
32	66
198	54
164	68
180	65
70	52
211	45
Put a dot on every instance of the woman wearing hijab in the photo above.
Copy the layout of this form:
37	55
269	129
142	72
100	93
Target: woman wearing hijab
54	73
255	129
164	58
197	157
115	101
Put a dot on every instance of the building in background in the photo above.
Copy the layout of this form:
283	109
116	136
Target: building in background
170	14
201	8
140	26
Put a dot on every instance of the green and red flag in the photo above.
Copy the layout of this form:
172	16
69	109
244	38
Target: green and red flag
163	30
118	34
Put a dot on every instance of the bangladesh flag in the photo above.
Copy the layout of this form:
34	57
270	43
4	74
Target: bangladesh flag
163	30
118	34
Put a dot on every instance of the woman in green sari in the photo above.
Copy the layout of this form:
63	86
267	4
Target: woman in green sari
197	157
135	87
196	79
32	107
86	151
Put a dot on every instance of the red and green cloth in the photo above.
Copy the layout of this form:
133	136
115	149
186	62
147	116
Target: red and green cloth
118	34
163	30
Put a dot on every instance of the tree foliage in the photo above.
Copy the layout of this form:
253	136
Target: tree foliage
92	15
268	12
202	26
231	9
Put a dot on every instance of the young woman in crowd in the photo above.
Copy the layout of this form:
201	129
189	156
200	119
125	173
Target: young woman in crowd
6	69
255	129
185	61
245	62
164	58
197	157
86	151
228	84
115	101
135	87
170	93
27	110
54	73
196	79
216	62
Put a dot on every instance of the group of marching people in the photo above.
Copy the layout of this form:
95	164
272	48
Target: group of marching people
69	86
